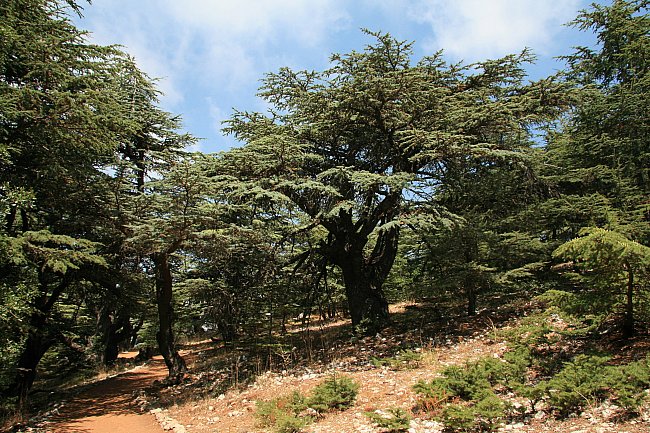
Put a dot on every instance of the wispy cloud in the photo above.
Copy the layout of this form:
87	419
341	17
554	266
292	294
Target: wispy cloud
211	54
477	29
219	43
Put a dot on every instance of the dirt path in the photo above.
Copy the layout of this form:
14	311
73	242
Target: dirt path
108	406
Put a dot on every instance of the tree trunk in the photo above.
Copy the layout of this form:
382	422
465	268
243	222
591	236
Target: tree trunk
628	321
366	301
364	278
227	321
227	330
38	341
114	332
36	345
471	299
165	335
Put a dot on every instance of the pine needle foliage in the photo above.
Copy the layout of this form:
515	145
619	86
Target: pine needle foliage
358	147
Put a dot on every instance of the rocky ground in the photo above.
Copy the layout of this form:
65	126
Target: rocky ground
224	384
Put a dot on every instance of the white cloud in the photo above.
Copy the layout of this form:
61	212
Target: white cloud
210	54
259	21
477	29
224	43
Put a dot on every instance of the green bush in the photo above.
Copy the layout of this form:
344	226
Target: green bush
515	369
582	382
288	414
588	380
541	366
475	380
283	414
397	421
464	398
484	415
630	383
458	417
589	309
288	423
335	393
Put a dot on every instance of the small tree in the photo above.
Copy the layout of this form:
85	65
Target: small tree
611	263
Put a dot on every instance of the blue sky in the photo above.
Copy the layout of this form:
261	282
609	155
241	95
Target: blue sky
210	54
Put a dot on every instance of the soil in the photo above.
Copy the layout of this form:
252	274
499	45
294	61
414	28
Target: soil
381	388
110	406
215	399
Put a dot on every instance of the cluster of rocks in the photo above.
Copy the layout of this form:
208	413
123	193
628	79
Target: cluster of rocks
167	422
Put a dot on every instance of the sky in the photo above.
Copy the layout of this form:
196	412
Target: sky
209	55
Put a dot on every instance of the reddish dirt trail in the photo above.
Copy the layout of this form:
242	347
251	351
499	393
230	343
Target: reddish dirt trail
108	407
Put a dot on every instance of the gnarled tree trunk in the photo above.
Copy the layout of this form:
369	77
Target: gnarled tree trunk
39	339
364	277
115	329
165	335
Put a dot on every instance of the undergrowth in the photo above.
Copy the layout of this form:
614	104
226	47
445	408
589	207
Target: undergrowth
549	366
290	414
393	420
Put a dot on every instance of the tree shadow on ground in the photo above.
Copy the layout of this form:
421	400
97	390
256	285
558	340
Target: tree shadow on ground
322	344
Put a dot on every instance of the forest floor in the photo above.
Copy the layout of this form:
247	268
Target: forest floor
107	406
225	383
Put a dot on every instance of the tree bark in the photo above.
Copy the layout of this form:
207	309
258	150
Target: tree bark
114	331
471	298
364	278
36	345
628	321
39	340
366	300
165	335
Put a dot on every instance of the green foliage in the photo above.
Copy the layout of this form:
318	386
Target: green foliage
540	366
357	149
393	420
606	252
290	414
612	265
335	393
568	382
568	302
580	383
631	384
464	398
588	380
283	414
459	417
291	424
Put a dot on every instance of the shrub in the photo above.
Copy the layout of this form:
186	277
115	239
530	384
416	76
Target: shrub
287	414
284	414
483	415
475	380
335	393
288	423
630	383
458	417
584	381
588	380
396	420
464	399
